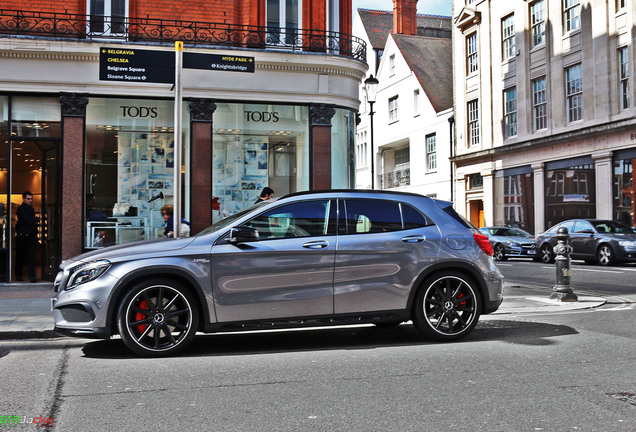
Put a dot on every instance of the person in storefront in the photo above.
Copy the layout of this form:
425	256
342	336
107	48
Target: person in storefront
26	237
167	212
266	193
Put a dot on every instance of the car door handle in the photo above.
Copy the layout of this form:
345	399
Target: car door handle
319	244
413	239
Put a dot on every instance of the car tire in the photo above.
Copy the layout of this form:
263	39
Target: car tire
547	254
157	318
499	253
447	306
605	255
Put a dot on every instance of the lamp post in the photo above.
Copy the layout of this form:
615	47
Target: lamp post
371	89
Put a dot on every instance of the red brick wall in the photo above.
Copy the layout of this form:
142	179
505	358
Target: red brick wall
53	6
405	17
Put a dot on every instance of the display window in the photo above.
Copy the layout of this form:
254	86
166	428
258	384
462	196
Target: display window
624	190
129	169
257	146
514	198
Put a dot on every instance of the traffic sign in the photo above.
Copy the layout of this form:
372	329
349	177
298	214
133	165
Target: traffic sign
135	65
229	63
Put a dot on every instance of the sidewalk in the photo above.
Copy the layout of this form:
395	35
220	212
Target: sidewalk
25	308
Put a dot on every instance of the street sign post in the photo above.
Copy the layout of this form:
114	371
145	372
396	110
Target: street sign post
135	65
228	63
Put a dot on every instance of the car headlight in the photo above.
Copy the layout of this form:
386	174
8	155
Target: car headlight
87	272
511	243
627	243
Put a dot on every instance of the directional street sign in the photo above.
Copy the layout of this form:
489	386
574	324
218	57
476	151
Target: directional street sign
136	65
230	63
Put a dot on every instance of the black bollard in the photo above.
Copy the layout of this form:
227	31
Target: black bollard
562	291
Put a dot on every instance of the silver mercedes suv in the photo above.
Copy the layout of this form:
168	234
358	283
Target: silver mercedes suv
307	259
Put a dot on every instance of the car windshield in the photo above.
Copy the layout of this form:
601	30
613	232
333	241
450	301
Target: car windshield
612	227
225	222
510	232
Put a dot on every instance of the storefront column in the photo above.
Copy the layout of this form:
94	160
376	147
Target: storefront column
72	154
604	184
488	198
461	205
320	146
539	197
201	114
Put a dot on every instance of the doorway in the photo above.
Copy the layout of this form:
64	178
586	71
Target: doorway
34	167
476	212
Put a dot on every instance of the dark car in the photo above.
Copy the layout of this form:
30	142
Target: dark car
307	259
510	242
594	240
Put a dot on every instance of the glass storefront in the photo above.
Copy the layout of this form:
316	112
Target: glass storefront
570	190
624	190
514	198
257	145
129	169
343	126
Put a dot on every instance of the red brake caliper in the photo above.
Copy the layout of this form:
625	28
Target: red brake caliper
462	304
142	327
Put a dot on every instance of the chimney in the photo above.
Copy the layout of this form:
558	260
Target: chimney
405	17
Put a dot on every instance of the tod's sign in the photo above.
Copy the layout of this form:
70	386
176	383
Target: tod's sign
261	117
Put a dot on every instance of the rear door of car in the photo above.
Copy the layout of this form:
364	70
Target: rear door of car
287	273
382	247
583	239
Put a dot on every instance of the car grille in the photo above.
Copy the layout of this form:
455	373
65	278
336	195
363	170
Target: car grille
528	246
76	313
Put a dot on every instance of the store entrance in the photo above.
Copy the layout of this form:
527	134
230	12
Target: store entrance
34	167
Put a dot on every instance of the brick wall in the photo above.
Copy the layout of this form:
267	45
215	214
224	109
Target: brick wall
49	6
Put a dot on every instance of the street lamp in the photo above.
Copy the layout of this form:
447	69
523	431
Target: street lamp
371	89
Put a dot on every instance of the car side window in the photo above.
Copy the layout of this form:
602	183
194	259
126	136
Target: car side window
569	225
301	219
581	226
372	216
412	218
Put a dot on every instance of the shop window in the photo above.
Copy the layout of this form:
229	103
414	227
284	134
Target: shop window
257	146
514	198
129	169
571	191
625	191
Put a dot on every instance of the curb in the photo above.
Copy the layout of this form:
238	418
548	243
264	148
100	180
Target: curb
30	334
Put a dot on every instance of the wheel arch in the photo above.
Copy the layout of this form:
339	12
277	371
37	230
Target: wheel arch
167	273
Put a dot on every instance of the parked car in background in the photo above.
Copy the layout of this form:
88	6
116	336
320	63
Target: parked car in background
510	242
594	240
307	259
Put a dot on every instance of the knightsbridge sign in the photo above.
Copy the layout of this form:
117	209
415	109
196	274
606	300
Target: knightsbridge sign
135	65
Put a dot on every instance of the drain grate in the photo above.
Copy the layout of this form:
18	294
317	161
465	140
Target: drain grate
630	398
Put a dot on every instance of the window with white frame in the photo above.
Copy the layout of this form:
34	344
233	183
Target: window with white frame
510	112
473	123
537	23
416	102
571	15
283	18
508	37
471	53
361	150
431	152
539	104
579	183
620	4
623	75
107	16
557	184
402	158
393	109
392	64
574	92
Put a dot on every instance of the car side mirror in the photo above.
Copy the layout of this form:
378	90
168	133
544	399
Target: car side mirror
243	235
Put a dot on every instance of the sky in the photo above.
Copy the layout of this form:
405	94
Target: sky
429	7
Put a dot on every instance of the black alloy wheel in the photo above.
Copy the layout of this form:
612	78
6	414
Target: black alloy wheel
547	255
447	307
157	318
605	255
499	253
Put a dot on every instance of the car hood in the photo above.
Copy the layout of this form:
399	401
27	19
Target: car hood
129	250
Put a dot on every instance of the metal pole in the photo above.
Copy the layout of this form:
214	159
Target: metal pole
178	119
562	291
372	148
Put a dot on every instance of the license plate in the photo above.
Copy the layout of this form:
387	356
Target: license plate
532	252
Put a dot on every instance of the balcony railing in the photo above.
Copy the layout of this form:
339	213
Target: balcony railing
76	26
395	179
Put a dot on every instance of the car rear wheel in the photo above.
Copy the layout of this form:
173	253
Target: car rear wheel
499	253
547	255
157	318
447	306
605	255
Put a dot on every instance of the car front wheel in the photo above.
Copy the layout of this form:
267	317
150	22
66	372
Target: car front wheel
157	318
605	255
499	253
447	306
547	255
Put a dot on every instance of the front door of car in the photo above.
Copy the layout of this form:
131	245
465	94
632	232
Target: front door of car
287	273
583	239
382	247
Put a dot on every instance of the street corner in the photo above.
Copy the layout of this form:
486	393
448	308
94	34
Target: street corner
539	304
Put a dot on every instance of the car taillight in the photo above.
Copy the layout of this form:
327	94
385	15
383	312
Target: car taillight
483	243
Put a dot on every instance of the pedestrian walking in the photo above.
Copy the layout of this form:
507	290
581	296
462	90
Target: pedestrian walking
26	237
266	193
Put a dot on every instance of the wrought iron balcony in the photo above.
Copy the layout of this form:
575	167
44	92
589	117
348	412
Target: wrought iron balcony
99	28
394	179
